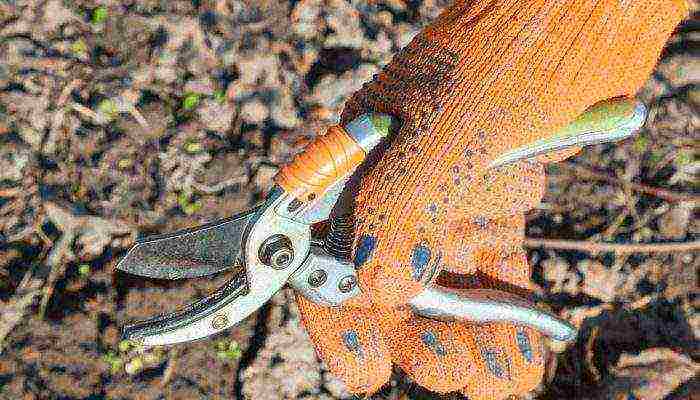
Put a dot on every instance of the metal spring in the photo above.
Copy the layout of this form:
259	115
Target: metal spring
338	242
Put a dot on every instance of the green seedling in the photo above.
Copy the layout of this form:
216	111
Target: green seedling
683	158
124	346
228	350
220	96
124	163
192	146
99	15
84	270
134	366
191	101
655	157
108	108
187	205
114	361
79	47
640	144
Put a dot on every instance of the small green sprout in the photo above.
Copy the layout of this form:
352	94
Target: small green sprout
228	350
220	96
99	15
79	47
192	208
190	101
640	144
193	146
114	361
183	199
125	346
655	157
683	158
188	206
84	270
153	356
134	366
109	108
124	163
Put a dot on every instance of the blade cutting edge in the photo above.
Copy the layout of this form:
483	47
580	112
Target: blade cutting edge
190	253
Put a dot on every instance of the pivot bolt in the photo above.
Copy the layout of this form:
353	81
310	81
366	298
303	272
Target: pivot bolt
276	252
347	283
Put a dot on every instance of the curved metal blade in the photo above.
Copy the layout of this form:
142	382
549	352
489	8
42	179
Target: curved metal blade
176	327
489	305
227	306
190	253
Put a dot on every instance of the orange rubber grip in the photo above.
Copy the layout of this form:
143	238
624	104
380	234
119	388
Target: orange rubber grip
326	160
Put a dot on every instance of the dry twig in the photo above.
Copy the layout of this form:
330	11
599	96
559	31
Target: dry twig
11	313
98	230
596	247
665	194
170	369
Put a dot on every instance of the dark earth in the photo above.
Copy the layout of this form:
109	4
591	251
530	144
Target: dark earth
120	119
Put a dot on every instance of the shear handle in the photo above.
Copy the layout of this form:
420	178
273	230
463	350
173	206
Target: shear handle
488	306
605	122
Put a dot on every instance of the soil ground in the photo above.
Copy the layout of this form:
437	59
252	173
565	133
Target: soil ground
120	119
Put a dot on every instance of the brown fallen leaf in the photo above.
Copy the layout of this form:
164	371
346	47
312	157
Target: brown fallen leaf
12	311
652	374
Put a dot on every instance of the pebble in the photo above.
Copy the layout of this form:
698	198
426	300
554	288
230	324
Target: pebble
216	116
674	223
254	112
263	177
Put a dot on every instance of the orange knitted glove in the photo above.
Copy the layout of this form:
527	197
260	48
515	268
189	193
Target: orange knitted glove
486	77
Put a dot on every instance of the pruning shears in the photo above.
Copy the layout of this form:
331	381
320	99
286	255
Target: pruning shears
274	243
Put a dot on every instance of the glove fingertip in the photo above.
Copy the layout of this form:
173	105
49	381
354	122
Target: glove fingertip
512	362
350	342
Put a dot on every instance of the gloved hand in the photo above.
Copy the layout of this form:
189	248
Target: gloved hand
484	78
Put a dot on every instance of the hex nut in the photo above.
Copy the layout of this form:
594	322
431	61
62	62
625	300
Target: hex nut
317	278
347	283
276	252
